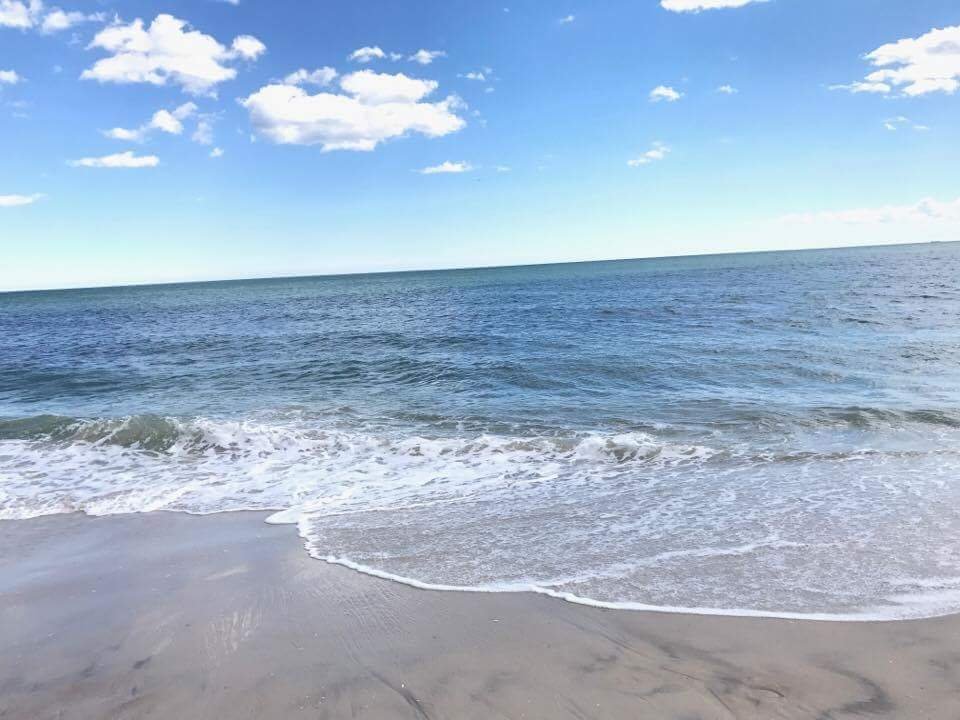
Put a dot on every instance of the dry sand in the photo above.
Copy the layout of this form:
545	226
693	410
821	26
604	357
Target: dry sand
171	616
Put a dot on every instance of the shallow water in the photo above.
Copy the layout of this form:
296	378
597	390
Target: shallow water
768	433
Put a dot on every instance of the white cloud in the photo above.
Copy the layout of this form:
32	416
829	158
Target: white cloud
425	57
58	20
321	77
126	135
247	47
167	121
28	14
9	201
119	160
664	92
914	66
727	90
170	122
478	75
656	153
924	212
504	168
216	152
9	77
367	54
447	168
858	88
168	51
567	19
204	132
20	15
698	5
901	122
376	89
371	109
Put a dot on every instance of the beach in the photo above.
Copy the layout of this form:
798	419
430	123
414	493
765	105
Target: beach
456	361
171	615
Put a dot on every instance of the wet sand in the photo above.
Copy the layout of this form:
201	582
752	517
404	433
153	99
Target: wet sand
172	616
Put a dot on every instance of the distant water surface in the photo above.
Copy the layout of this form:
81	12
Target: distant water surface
773	434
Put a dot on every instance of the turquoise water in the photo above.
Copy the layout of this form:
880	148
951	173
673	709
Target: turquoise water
764	433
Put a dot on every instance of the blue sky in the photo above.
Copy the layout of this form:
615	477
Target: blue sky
555	130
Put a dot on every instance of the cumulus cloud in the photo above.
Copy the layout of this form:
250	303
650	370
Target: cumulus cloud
567	19
447	168
663	93
321	77
20	15
658	152
425	57
247	47
166	121
371	109
367	54
216	152
9	77
58	20
376	88
926	211
168	51
727	90
699	5
9	201
119	160
29	14
914	66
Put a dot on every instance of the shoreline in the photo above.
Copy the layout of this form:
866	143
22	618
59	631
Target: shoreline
267	515
175	615
865	616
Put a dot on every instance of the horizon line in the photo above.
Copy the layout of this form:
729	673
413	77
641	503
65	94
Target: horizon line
364	273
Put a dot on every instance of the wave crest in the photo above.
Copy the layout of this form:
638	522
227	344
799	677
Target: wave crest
202	436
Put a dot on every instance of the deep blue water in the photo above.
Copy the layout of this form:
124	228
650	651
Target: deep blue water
765	432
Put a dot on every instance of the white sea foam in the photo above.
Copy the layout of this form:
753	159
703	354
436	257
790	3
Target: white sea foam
629	520
205	465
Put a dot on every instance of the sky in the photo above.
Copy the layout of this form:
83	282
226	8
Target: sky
145	141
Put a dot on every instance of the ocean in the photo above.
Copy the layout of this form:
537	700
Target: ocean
770	434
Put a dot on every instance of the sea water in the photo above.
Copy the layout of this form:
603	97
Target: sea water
773	434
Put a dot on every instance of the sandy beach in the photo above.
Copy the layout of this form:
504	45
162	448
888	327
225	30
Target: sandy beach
167	615
431	360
